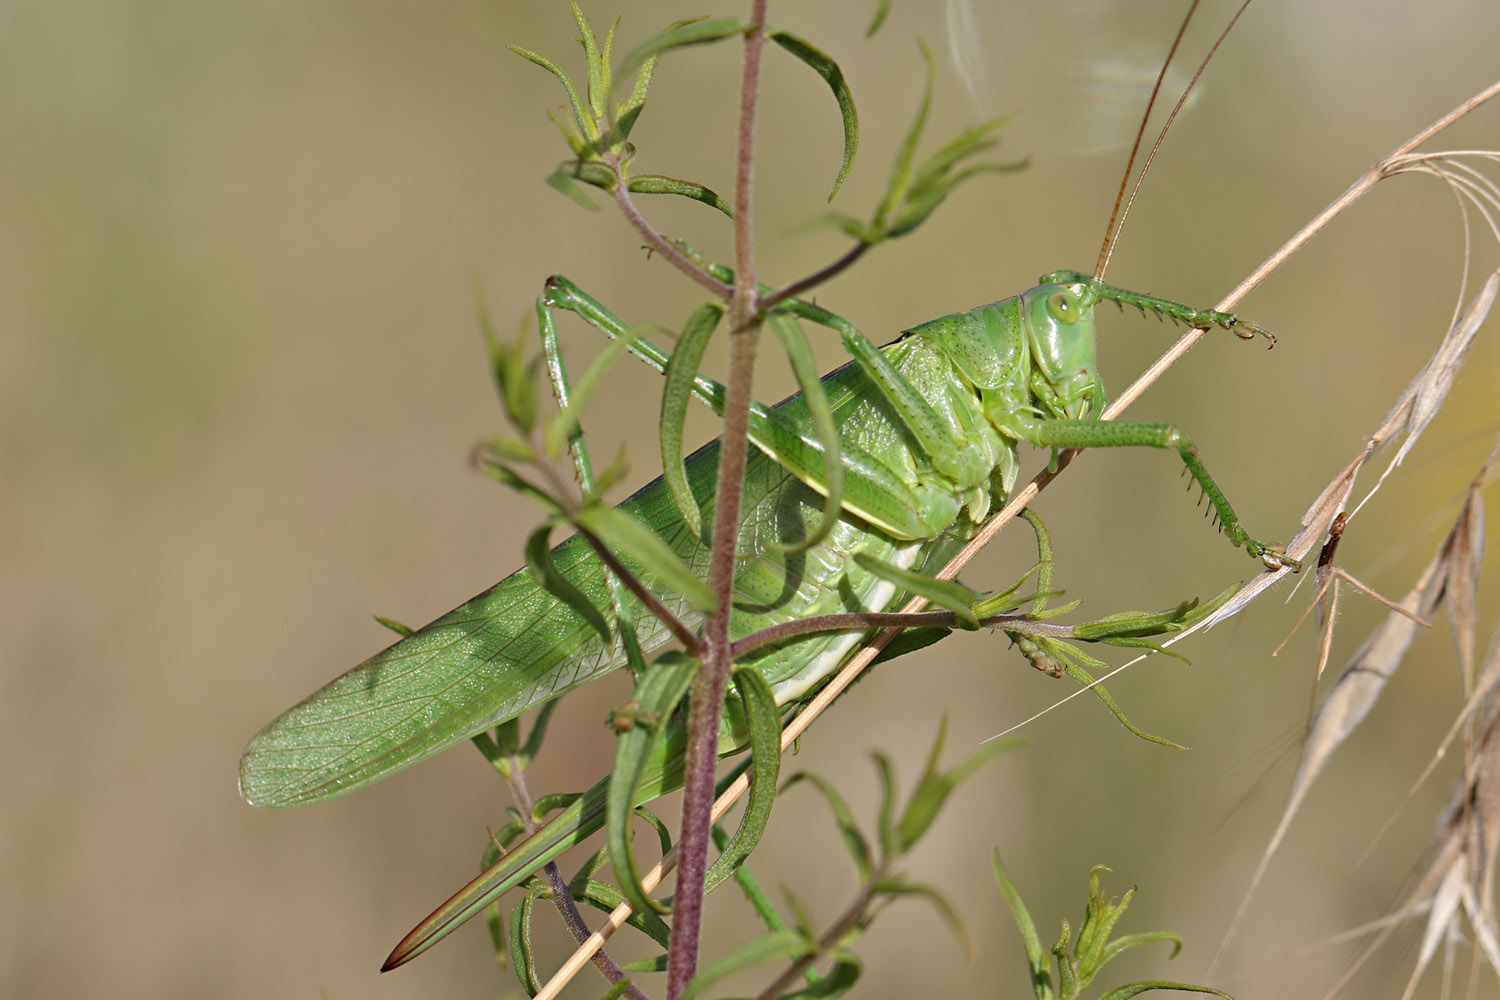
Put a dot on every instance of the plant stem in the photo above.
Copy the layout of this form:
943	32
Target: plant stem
857	620
653	604
562	895
796	288
846	922
712	683
660	244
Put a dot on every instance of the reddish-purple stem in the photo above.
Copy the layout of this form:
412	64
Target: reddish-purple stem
660	244
796	288
712	683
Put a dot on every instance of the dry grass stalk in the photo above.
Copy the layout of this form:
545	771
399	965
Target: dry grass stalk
1452	574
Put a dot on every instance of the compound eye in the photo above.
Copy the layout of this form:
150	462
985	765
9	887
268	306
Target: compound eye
1063	308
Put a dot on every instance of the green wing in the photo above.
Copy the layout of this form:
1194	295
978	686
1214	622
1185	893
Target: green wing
514	647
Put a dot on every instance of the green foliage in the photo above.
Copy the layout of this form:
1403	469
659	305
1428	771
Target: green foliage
764	725
677	389
913	194
649	729
657	694
947	594
804	369
880	882
598	128
1078	962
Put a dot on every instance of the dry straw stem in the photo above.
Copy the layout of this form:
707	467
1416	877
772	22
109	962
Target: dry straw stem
1315	523
1460	878
1451	576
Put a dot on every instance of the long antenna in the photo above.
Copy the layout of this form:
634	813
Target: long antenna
1118	216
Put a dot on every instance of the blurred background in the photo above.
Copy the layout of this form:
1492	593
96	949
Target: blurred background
240	375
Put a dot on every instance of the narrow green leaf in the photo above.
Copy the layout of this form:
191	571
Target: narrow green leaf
805	369
596	861
1067	967
519	483
619	989
854	840
681	35
609	47
765	750
630	537
789	945
682	370
394	626
547	576
660	184
1127	941
1066	655
976	760
581	147
522	954
856	229
598	69
901	169
935	785
551	803
630	110
1044	560
505	448
1006	601
1131	625
909	641
1125	642
944	909
969	142
800	917
538	732
927	798
657	693
881	10
947	594
1037	957
613	473
657	963
840	979
1203	610
755	895
514	379
1100	918
590	172
604	897
575	103
834	77
1136	989
886	815
916	211
663	832
495	922
507	737
497	757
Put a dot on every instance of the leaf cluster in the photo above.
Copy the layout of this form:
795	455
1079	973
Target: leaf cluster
597	128
1080	961
899	827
